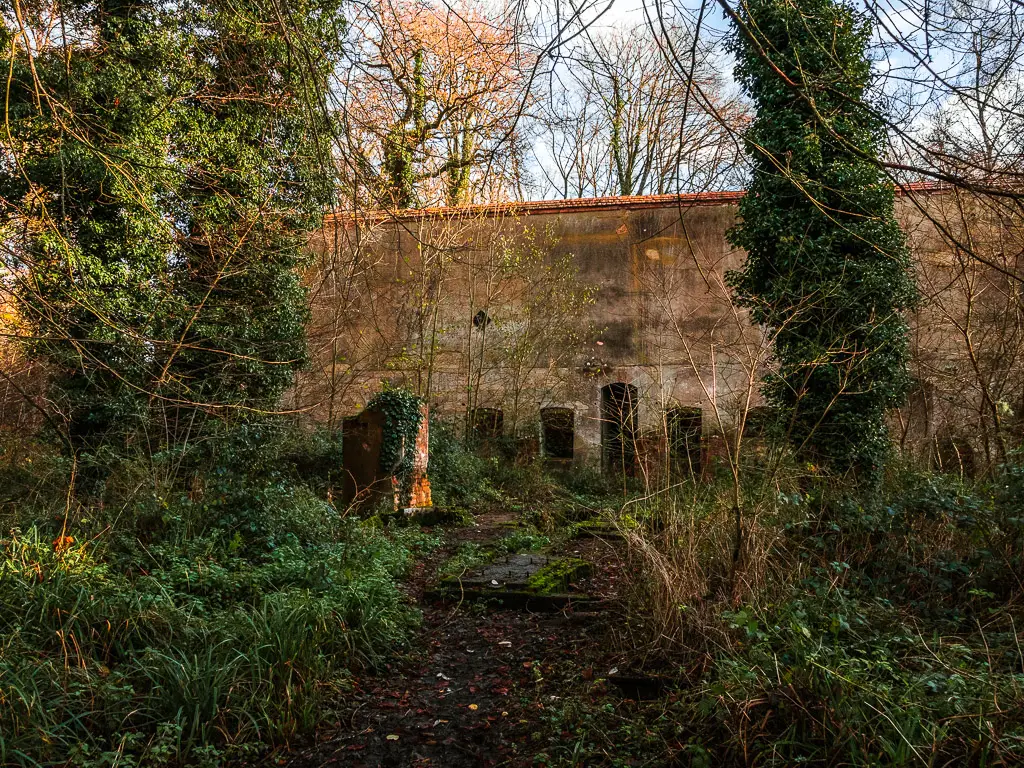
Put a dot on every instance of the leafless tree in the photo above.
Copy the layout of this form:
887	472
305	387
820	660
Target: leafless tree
430	100
622	118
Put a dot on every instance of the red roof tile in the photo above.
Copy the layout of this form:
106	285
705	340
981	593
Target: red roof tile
581	204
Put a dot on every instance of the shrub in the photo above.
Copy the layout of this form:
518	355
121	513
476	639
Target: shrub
458	477
833	678
190	623
856	628
461	477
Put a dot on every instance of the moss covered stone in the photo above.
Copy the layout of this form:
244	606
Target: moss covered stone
595	529
556	576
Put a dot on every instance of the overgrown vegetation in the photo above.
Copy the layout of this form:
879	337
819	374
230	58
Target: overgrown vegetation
168	625
177	585
880	630
828	269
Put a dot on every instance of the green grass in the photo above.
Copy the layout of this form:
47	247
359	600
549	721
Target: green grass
195	653
166	626
861	630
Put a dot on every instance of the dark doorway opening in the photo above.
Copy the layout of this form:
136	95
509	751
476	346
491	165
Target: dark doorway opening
488	423
954	455
758	422
619	427
684	427
558	432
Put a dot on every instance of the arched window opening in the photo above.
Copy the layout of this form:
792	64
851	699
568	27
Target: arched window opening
684	426
619	427
558	432
488	423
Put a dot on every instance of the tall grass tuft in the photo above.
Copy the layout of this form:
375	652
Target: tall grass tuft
184	627
844	629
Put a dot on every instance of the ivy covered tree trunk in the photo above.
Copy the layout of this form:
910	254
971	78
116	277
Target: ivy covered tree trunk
828	269
88	125
164	168
258	179
403	141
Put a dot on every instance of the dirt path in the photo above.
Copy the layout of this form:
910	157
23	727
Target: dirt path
473	688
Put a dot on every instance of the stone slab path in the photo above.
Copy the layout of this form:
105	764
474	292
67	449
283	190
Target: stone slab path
511	582
476	685
509	572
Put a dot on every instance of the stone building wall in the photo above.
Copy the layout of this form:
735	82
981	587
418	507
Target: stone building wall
968	333
427	299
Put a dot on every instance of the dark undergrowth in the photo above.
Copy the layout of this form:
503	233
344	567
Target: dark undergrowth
213	603
846	631
200	617
501	476
197	618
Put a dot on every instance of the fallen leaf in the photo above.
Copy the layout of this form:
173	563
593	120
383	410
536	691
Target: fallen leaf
471	706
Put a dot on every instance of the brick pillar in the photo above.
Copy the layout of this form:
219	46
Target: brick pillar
420	497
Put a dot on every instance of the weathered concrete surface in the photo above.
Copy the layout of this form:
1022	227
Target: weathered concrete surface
361	440
512	582
662	321
510	572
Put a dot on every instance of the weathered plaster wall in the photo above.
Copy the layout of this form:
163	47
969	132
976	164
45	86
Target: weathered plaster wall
395	298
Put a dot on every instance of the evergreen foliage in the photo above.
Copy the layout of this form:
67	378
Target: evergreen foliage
166	166
88	135
403	415
257	181
828	269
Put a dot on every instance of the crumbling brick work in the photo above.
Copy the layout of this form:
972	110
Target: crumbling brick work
364	479
420	495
